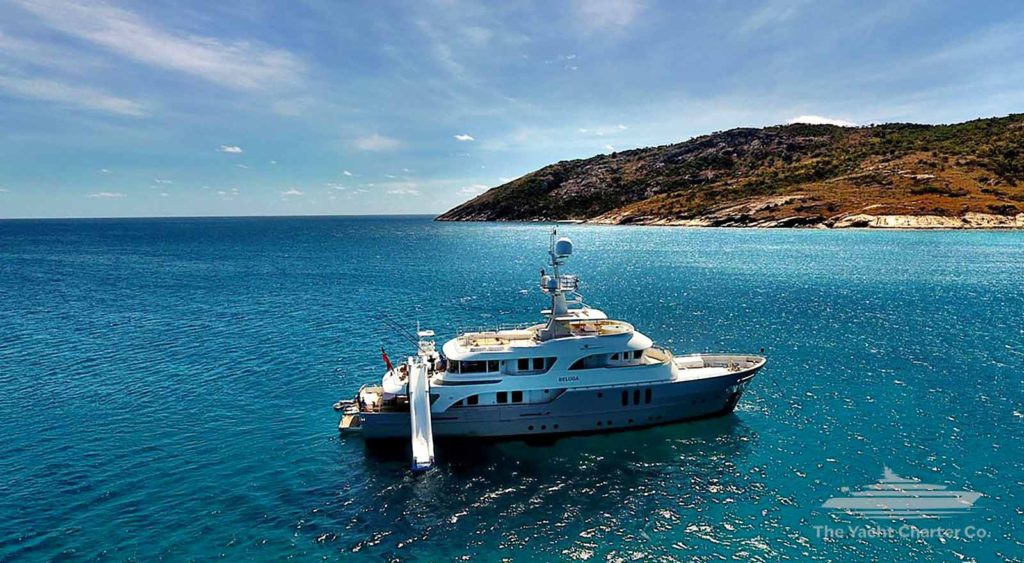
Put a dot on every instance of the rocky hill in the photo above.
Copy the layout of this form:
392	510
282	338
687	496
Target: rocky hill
895	175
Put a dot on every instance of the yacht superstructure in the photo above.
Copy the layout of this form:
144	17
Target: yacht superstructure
576	372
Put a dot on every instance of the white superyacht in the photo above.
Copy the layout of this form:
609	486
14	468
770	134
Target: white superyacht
576	372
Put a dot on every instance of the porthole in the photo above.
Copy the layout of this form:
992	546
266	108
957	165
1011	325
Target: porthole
531	427
543	427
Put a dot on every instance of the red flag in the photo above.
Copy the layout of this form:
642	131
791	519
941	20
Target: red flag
387	362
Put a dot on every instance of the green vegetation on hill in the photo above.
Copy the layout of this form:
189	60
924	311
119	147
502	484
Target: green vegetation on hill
787	175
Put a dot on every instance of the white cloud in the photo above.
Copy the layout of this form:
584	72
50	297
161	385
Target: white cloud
4	190
235	64
163	194
273	162
403	188
598	15
609	148
473	189
230	149
336	186
243	166
19	50
602	130
291	192
773	13
70	95
106	195
464	137
104	171
821	120
376	142
346	172
159	181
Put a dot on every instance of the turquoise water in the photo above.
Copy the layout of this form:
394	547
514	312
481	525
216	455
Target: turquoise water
167	389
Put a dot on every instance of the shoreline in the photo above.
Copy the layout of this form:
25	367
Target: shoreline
966	222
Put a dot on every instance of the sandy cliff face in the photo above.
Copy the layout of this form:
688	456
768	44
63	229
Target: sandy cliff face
968	175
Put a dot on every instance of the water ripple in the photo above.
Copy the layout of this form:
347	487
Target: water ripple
167	388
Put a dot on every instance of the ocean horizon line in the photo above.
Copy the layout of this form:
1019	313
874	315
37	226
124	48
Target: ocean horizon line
284	216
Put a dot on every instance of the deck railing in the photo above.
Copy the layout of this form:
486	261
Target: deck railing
493	328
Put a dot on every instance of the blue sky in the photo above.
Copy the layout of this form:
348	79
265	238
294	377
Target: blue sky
328	107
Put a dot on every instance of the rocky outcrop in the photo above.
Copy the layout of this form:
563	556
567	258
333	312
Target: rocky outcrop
967	221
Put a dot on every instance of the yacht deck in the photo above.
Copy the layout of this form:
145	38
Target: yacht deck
502	339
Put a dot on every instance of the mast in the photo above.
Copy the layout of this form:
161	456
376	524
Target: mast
558	286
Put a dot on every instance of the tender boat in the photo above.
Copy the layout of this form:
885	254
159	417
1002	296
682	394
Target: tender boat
576	372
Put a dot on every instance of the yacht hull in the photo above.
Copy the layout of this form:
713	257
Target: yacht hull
578	411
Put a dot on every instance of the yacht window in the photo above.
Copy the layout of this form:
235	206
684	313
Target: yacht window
578	364
538	364
517	396
647	396
524	364
492	365
457	403
502	397
473	400
453	366
474	367
636	396
637	354
625	398
615	356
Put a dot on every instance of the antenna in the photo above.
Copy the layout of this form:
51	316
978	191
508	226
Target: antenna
397	328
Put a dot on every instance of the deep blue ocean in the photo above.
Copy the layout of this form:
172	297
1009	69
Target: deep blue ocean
166	389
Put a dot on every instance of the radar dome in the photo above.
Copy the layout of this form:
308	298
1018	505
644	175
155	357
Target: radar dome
563	247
